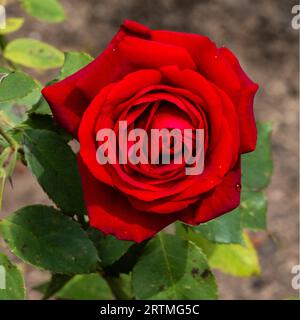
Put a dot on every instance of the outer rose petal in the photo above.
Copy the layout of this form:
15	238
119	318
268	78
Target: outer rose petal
205	55
221	67
127	52
244	99
223	198
68	102
110	212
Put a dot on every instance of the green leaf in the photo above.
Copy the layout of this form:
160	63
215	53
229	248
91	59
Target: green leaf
45	122
33	54
53	163
86	287
31	99
253	210
172	268
257	166
46	10
45	238
4	70
74	61
12	25
109	248
16	85
10	115
234	259
125	281
41	107
224	229
12	285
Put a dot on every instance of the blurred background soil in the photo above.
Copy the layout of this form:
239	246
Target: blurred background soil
260	34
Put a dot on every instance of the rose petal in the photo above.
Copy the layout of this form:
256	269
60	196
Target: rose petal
244	100
144	53
222	68
127	52
223	198
110	95
111	212
205	54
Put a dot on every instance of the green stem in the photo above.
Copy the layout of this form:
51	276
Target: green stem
2	42
13	143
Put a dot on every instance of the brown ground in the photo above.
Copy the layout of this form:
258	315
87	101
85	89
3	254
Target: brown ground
259	32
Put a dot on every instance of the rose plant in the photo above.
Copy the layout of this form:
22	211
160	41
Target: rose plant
104	236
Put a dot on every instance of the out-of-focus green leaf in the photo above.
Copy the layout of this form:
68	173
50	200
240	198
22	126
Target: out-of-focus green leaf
86	287
12	25
253	210
172	268
16	85
257	166
74	61
224	229
33	54
4	71
10	115
46	10
47	239
12	285
235	259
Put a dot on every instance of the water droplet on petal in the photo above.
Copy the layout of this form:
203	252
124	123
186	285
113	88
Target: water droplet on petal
216	57
238	187
114	49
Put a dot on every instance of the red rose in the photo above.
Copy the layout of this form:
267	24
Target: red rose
158	79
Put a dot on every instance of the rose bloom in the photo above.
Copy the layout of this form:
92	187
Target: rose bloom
157	79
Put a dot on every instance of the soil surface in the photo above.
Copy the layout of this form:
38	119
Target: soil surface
260	34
